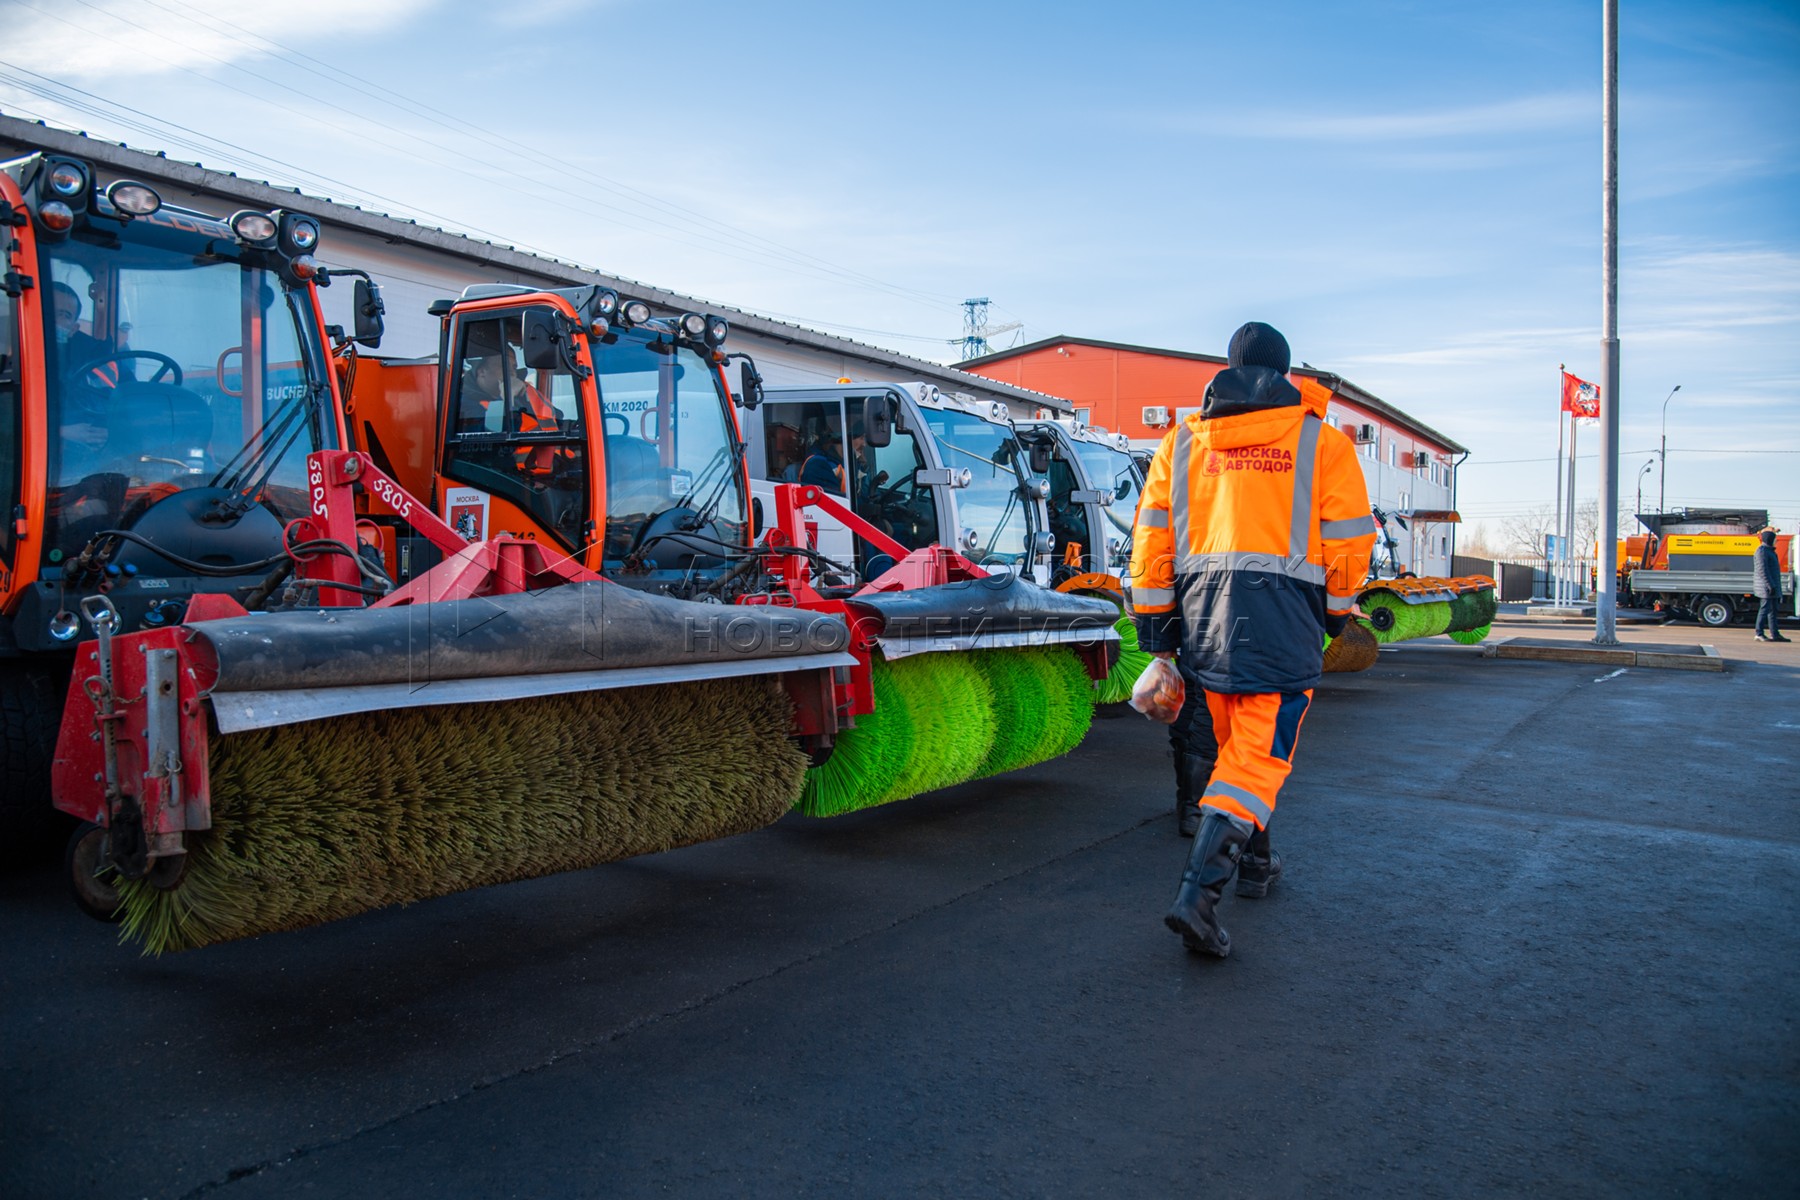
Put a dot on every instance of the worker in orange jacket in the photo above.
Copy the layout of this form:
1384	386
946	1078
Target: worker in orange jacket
1252	540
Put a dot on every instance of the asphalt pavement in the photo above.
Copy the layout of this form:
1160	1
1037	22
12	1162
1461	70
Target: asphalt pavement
1537	935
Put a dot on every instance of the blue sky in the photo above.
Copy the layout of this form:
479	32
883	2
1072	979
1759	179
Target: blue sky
1411	191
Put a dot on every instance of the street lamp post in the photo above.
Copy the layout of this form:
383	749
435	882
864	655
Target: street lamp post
1662	458
1642	471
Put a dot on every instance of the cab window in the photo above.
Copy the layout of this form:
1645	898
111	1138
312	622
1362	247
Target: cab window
516	433
895	501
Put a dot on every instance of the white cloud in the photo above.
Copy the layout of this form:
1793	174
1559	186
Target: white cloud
1529	113
112	39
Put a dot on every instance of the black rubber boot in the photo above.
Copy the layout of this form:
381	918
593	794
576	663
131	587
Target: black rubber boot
1187	817
1209	868
1258	866
1187	813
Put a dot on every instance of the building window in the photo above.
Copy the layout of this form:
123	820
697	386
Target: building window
1081	414
1333	422
1393	453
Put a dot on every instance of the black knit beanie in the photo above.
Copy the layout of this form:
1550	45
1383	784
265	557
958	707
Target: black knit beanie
1258	345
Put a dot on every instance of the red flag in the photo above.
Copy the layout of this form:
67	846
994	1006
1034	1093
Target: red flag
1580	397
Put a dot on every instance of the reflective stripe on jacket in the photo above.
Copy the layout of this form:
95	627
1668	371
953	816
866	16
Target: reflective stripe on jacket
1252	527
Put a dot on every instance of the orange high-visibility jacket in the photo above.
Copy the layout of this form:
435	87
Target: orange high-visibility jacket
1254	524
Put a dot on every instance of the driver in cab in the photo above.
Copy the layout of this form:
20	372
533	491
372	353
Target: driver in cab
83	407
489	404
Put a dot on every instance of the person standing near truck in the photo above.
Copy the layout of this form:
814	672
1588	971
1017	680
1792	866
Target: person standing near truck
1251	542
1766	584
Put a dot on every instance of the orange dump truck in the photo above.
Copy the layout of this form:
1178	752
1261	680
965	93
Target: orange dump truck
1697	564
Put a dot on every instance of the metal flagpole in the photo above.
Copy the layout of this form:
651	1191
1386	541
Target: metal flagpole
1554	562
1568	546
1605	602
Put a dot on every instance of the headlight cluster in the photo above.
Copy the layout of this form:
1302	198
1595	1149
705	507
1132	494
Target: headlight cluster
294	236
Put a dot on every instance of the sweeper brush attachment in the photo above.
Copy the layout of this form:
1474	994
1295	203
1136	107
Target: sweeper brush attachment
1415	607
330	818
259	773
1116	687
1355	649
943	719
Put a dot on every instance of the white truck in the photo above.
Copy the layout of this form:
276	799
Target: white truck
932	468
1095	482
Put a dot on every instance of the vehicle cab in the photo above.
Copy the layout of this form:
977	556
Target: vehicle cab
1095	483
163	376
575	418
949	471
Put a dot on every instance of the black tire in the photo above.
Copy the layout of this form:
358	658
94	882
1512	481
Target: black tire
94	894
31	703
1715	612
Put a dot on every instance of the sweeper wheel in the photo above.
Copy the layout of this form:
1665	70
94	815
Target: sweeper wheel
89	876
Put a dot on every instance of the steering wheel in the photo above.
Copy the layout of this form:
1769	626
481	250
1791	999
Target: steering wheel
606	420
169	365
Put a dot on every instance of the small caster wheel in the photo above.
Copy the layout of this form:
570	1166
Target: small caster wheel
90	875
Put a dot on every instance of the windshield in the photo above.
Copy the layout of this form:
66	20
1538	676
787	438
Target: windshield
670	447
172	367
1112	471
990	505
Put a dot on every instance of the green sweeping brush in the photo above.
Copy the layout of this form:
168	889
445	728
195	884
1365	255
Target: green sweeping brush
1117	685
1044	704
951	708
941	719
326	819
1434	617
1470	637
1022	708
1403	624
867	759
1471	610
1071	703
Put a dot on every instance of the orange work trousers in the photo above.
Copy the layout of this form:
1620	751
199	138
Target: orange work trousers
1257	734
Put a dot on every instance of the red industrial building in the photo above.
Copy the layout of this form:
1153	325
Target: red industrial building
1141	391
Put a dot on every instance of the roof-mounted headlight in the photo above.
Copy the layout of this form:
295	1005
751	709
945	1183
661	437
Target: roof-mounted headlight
717	329
254	228
66	179
299	234
693	327
133	199
634	312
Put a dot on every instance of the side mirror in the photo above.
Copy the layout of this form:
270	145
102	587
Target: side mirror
750	393
1040	458
756	517
878	421
542	335
370	314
